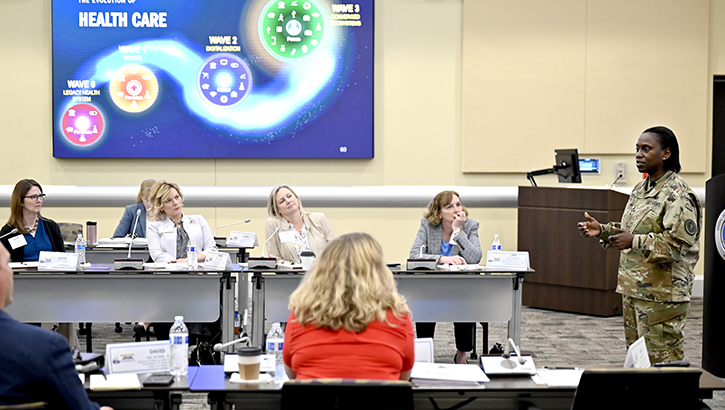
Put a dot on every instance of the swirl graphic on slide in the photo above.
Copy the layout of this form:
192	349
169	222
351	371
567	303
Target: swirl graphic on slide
299	88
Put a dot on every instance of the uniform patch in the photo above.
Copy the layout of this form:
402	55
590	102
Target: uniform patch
690	227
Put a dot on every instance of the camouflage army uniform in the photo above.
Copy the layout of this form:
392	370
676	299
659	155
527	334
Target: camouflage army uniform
656	273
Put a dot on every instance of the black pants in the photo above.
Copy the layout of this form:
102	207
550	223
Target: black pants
462	331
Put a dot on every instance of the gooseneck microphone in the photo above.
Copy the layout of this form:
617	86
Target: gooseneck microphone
246	221
14	231
128	262
506	351
133	233
270	237
220	346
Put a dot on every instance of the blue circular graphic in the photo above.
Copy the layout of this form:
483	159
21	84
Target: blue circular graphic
225	80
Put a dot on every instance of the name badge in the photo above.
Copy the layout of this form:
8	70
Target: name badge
286	236
166	229
17	241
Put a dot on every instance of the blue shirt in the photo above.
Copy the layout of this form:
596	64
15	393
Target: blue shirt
446	248
41	242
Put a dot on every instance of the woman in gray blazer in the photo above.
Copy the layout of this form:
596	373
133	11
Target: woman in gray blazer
292	230
448	236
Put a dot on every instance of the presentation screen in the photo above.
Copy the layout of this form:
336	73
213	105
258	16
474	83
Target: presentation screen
212	79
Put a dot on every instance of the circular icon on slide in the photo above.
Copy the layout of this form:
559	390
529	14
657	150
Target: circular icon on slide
82	125
225	80
720	234
134	88
291	29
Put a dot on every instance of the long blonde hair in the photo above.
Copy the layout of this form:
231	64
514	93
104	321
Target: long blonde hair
349	287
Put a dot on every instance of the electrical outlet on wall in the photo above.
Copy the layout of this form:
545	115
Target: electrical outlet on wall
620	172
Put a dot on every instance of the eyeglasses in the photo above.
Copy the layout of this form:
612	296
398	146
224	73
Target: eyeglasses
35	197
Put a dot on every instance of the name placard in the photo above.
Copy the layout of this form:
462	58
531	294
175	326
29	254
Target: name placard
217	261
59	261
507	260
142	357
242	239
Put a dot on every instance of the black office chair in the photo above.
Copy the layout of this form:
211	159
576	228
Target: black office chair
338	394
24	406
636	389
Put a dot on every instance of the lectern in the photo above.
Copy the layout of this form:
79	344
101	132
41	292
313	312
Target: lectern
573	274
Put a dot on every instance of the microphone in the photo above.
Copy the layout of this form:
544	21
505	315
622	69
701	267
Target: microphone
219	346
246	221
507	355
222	241
262	262
270	237
420	253
133	233
129	263
14	231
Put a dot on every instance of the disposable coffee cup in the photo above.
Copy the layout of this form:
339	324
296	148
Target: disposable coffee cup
249	360
307	259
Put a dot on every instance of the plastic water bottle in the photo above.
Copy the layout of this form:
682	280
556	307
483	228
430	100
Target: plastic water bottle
275	344
496	243
191	260
179	340
81	250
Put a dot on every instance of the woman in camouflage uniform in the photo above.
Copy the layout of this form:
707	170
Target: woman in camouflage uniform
659	243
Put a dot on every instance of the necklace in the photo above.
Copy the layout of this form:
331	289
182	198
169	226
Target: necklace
34	228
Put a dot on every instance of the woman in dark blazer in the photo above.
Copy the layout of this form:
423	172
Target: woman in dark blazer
448	236
129	215
34	232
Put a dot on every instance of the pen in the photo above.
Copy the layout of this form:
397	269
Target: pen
561	368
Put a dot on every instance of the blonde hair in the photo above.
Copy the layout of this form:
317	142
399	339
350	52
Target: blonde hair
159	192
145	190
349	287
272	202
433	213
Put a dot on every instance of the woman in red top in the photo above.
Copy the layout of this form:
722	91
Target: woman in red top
348	319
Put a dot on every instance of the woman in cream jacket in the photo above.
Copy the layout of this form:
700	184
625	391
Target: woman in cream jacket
290	230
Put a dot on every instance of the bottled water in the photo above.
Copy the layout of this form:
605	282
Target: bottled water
496	243
81	250
191	261
275	344
179	340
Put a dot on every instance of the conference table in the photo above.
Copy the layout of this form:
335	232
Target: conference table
485	295
499	393
148	398
102	294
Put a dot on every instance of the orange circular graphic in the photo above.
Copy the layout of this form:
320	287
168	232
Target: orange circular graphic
134	88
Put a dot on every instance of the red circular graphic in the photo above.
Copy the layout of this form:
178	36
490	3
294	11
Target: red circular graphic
82	125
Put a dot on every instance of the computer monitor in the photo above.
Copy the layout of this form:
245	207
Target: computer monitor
567	166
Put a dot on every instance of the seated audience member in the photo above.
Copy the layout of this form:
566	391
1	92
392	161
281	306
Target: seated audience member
129	215
35	233
36	364
348	319
448	236
169	230
168	233
295	231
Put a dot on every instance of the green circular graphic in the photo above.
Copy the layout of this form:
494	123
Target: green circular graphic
291	29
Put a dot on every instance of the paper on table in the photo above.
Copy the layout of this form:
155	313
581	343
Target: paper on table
561	378
443	371
21	265
120	381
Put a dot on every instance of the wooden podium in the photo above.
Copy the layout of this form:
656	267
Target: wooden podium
573	274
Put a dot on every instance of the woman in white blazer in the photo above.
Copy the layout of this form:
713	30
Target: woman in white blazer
168	233
292	230
170	230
